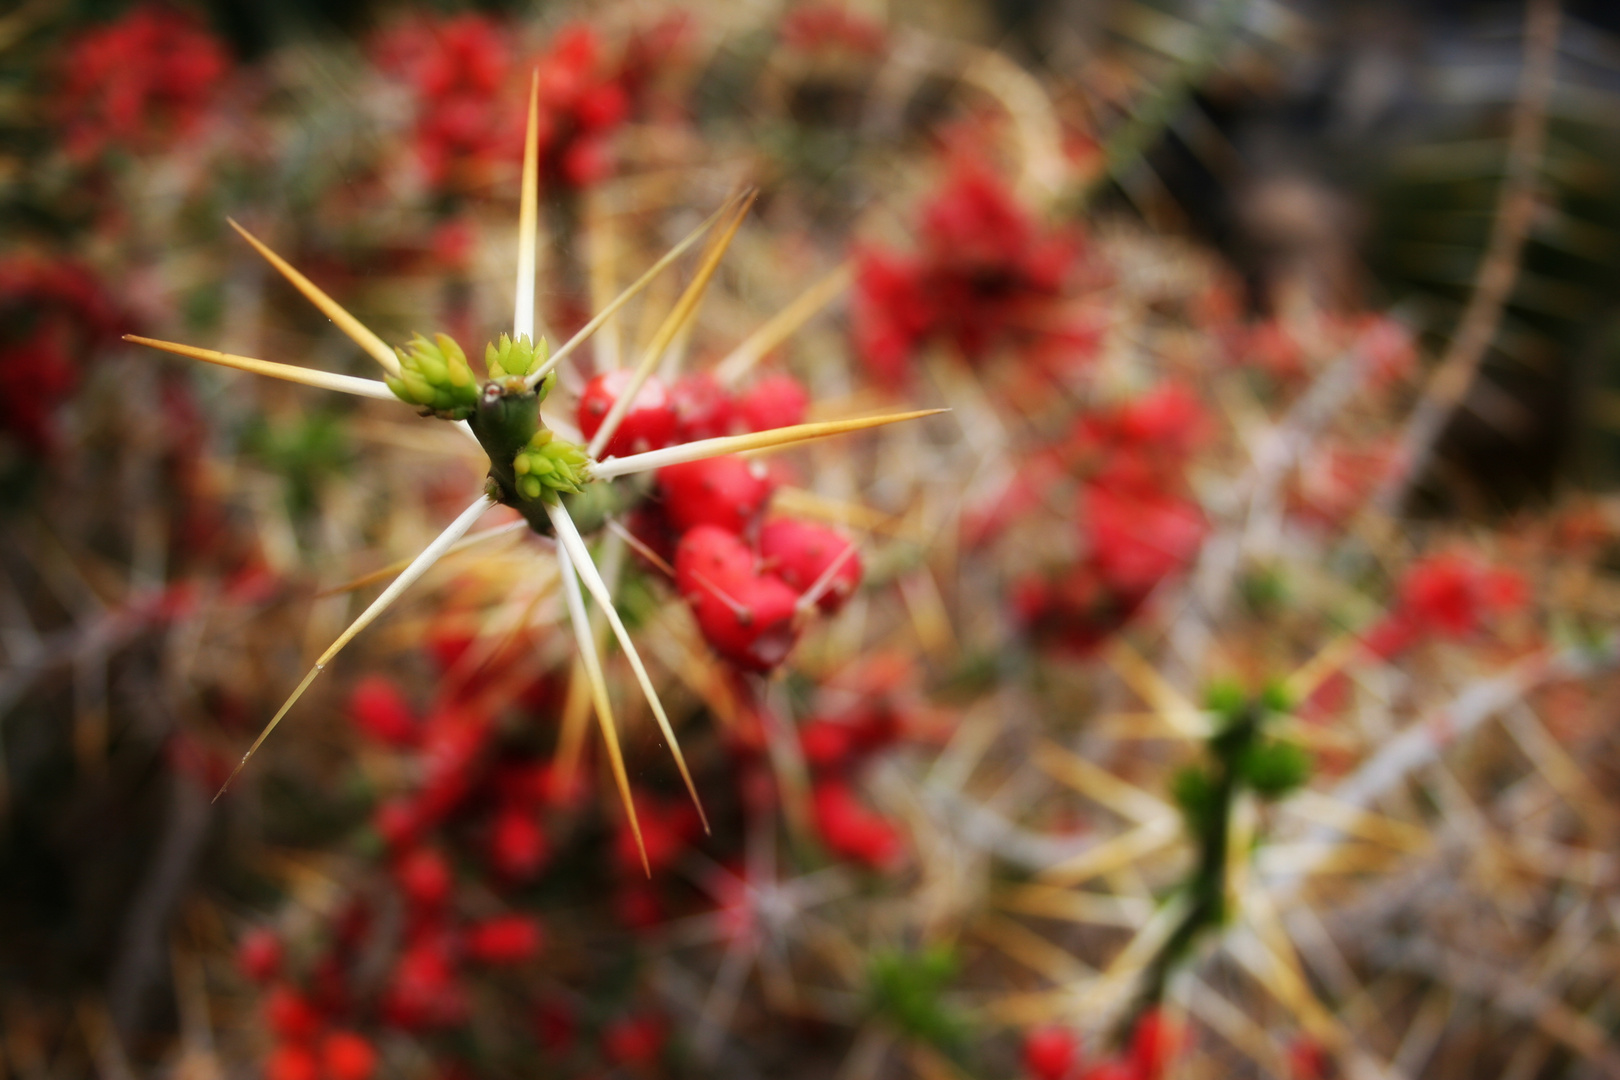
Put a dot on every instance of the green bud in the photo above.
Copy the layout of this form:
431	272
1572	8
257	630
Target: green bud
1275	697
1275	768
1226	697
507	358
549	466
434	376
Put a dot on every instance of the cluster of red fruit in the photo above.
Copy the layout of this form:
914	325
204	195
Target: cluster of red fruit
461	800
985	275
1449	596
750	582
52	316
459	69
145	79
469	117
1137	524
821	27
1054	1053
836	745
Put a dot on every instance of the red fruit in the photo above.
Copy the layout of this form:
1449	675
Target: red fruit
1155	1040
1138	539
666	830
292	1062
379	709
289	1015
1307	1060
725	491
505	939
347	1056
747	618
799	552
774	401
703	408
826	743
517	846
586	161
851	830
259	955
397	822
424	877
1050	1053
452	741
711	554
637	907
556	1025
634	1040
423	991
648	425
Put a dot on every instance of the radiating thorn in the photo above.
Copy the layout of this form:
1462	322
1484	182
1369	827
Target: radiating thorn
419	566
568	538
629	294
639	546
592	662
783	325
602	257
678	317
357	331
528	217
393	568
325	380
738	444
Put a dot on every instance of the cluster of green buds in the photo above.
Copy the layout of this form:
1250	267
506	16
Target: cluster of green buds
548	467
507	359
435	376
1268	766
1242	757
906	990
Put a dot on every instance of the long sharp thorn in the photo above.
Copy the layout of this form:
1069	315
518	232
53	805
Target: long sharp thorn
357	331
783	325
738	444
683	310
592	662
568	538
393	568
629	294
325	380
528	217
419	566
